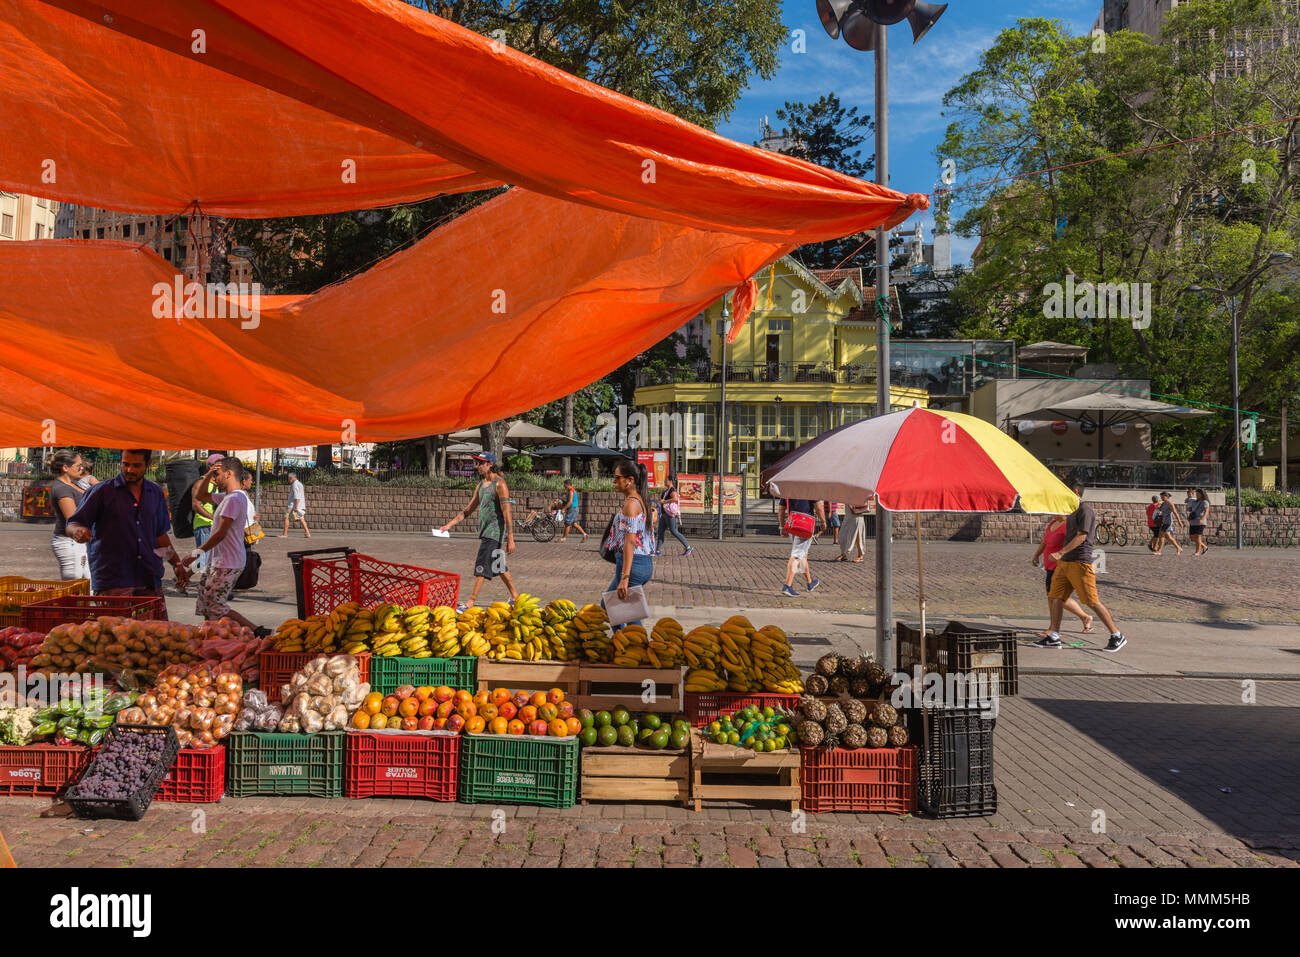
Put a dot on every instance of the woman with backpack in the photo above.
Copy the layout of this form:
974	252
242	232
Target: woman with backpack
629	542
670	511
796	516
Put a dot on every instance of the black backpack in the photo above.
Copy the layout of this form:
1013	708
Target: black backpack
181	477
252	569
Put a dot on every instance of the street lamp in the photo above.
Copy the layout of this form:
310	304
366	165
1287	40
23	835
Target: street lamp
1230	297
862	24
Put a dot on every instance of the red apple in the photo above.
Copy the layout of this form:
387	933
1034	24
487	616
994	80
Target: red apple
520	699
428	707
507	710
426	723
405	691
454	723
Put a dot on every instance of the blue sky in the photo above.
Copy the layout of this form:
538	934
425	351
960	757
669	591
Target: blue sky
919	76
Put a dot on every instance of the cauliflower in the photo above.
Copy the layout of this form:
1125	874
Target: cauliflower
16	725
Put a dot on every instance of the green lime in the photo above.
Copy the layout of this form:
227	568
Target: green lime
587	737
733	738
769	744
680	739
782	729
714	727
651	721
626	736
769	712
603	719
644	733
659	740
606	736
621	715
720	738
636	728
781	743
681	724
587	718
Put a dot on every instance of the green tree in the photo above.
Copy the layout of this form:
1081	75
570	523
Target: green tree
829	134
1207	211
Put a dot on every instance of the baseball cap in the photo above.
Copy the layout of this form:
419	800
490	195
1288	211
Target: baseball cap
487	457
214	458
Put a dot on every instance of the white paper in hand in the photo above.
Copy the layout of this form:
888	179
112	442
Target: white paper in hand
633	608
439	533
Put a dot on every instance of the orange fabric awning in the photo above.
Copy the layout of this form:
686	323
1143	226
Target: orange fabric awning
262	121
467	326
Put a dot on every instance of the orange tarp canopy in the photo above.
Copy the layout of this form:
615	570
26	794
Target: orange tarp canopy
627	221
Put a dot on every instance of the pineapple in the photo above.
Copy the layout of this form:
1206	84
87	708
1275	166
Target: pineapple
839	686
828	665
884	716
816	685
861	688
813	709
878	677
835	722
898	737
854	710
854	736
877	737
810	733
853	667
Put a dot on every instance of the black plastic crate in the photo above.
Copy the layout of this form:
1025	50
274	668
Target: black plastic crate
956	773
295	559
962	648
131	808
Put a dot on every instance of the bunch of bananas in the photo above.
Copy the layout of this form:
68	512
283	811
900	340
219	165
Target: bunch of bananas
318	633
444	635
470	627
737	657
402	632
662	648
516	632
559	630
592	627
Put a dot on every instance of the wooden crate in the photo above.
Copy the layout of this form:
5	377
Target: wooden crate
636	774
604	687
770	776
529	676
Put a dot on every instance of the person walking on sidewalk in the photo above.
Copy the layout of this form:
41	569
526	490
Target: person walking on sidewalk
224	548
1198	514
796	516
670	513
1152	525
66	491
853	533
1166	515
496	533
1053	540
202	510
1074	572
297	506
571	511
630	538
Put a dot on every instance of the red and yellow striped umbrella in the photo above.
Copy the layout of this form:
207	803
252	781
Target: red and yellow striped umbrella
921	460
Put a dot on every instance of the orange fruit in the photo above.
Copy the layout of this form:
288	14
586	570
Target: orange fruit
424	692
378	722
474	725
548	712
372	703
528	714
462	696
500	696
538	699
361	719
409	707
500	726
558	728
488	711
482	698
574	725
515	727
389	706
467	710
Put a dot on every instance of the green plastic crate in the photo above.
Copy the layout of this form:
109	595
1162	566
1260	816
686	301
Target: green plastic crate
389	674
513	769
268	763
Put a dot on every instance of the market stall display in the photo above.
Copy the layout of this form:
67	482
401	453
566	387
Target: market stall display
18	647
119	646
629	757
17	592
199	704
516	769
45	615
500	711
729	772
421	764
322	696
125	773
737	657
856	675
621	728
271	763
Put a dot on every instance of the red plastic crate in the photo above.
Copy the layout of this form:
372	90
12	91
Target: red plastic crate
402	764
198	776
865	780
44	615
40	769
703	707
370	581
275	668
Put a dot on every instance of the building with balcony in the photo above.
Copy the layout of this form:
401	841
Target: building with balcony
803	363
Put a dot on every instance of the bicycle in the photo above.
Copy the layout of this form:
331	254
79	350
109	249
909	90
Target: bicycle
541	527
1109	530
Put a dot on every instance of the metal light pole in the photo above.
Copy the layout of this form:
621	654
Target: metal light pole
1230	296
863	23
722	413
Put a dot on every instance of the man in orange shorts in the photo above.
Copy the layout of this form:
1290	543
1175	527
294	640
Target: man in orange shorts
1074	573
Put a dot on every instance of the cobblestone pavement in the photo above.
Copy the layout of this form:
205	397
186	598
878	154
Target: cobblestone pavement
1182	772
973	578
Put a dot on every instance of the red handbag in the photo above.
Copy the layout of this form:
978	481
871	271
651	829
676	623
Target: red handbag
798	524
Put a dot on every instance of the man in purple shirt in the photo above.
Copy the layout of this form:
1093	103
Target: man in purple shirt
124	520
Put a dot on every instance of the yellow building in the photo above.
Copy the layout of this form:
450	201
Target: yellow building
804	363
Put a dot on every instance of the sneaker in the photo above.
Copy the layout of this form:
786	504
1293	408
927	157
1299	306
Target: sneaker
787	590
814	583
1116	643
689	549
1048	641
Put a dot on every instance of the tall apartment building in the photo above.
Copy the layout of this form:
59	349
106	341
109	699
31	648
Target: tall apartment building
176	239
1140	16
26	217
